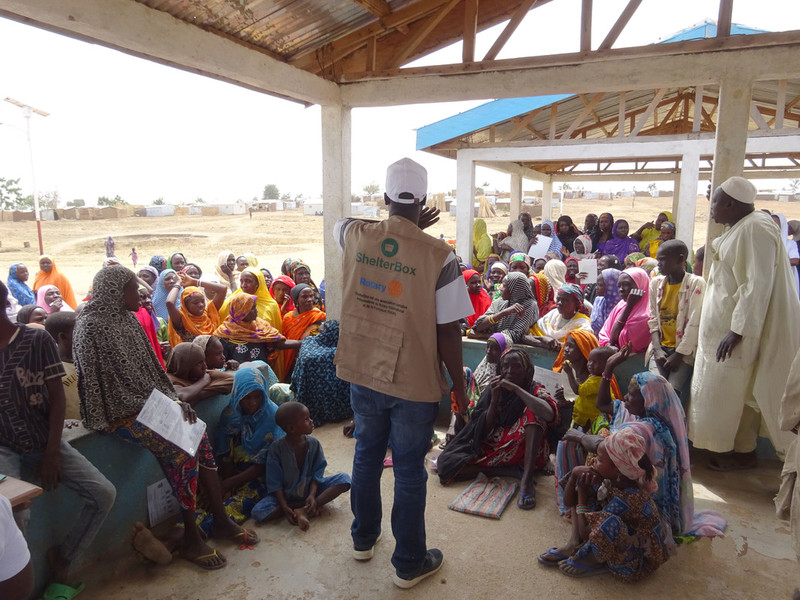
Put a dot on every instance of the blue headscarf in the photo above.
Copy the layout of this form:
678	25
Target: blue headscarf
555	243
19	289
664	428
160	296
258	430
603	305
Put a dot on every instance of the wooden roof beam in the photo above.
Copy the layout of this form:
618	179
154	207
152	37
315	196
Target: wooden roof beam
622	21
420	35
586	25
379	8
470	31
724	18
345	45
584	113
650	109
510	28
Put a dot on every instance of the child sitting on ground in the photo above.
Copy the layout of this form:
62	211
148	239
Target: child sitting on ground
583	362
584	376
616	526
296	482
60	326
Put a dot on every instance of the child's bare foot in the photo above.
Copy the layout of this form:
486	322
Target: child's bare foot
225	529
146	544
302	519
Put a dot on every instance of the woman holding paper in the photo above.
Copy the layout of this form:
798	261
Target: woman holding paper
117	371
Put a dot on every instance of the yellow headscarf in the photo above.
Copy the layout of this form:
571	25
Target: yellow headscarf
268	309
252	260
481	241
222	260
651	233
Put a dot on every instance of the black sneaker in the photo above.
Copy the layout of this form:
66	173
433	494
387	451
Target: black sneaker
433	562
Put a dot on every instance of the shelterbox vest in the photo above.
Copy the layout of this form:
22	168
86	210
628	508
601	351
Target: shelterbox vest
387	336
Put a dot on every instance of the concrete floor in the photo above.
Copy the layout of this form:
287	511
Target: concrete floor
483	558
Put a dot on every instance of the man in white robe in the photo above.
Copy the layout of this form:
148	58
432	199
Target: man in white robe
787	502
749	332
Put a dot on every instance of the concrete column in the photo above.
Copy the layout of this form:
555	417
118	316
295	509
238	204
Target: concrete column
731	139
465	205
516	196
336	155
686	193
676	188
547	200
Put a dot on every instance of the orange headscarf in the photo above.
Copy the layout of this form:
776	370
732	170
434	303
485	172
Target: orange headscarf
586	342
298	326
204	324
54	277
234	329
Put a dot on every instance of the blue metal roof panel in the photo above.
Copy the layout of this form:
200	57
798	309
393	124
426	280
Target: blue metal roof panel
481	116
505	108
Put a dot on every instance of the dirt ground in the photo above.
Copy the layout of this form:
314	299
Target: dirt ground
77	246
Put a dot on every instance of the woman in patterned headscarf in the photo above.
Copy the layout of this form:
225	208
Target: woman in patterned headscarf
512	314
606	298
117	370
507	427
17	286
569	314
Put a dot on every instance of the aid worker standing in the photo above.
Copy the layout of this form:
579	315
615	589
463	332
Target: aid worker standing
402	301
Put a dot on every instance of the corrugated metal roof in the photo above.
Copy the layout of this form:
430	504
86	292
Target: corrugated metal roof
477	120
284	27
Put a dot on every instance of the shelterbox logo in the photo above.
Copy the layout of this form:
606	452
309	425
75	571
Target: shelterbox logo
389	247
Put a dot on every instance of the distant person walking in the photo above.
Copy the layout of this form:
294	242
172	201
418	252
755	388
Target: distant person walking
110	245
134	257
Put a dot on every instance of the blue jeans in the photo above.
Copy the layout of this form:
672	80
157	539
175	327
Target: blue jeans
96	492
379	417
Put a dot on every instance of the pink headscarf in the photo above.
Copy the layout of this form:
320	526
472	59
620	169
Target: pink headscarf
636	329
40	301
625	448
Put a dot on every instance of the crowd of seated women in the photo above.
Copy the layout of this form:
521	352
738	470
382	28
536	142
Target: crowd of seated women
607	447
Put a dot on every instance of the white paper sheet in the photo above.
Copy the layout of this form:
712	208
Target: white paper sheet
540	248
161	502
165	416
588	266
549	379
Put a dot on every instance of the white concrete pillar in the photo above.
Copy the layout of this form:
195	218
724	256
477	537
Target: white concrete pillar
516	196
465	205
731	139
336	155
547	200
686	192
676	188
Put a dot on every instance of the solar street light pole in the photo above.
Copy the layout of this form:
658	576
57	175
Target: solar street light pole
27	112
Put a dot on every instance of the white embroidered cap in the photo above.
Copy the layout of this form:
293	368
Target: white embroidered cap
740	189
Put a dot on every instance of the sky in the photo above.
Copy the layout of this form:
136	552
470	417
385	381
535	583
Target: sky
121	125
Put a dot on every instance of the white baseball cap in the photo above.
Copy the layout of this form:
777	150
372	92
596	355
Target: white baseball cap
740	189
406	182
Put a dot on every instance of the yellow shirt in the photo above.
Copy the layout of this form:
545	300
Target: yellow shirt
585	407
70	383
668	310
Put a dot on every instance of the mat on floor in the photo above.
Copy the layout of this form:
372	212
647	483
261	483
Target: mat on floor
485	497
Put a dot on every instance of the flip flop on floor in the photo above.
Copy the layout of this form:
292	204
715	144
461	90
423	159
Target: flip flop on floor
59	591
208	561
245	538
552	557
526	501
572	569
